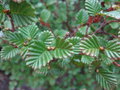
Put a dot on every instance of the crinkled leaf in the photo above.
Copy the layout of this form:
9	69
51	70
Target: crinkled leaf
76	43
113	50
29	32
9	52
106	79
47	37
82	31
45	15
22	13
2	15
90	46
82	16
92	6
63	48
106	60
15	38
87	59
113	14
38	55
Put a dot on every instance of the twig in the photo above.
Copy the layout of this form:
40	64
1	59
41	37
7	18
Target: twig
104	24
12	22
110	34
87	30
101	26
82	25
115	63
67	14
68	26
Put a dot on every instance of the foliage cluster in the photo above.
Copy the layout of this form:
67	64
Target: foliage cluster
61	44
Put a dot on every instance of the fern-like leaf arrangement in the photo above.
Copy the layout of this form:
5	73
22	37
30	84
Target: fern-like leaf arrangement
88	44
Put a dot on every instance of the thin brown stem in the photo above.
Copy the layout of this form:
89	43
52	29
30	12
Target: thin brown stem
116	64
101	26
104	24
12	23
87	30
111	34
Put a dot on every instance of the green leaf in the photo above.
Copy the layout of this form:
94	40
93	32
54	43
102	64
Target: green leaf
1	8
82	31
114	25
43	70
60	32
119	34
9	52
90	46
113	50
106	60
29	32
76	43
106	79
92	6
45	15
102	41
15	38
2	15
87	59
63	48
82	16
21	20
38	55
22	8
1	35
47	37
118	38
51	2
22	13
24	51
7	24
113	14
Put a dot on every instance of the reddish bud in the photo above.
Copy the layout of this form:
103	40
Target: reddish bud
44	23
6	11
102	48
25	43
15	46
103	4
97	70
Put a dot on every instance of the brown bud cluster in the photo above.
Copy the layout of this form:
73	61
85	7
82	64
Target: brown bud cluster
102	48
51	48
